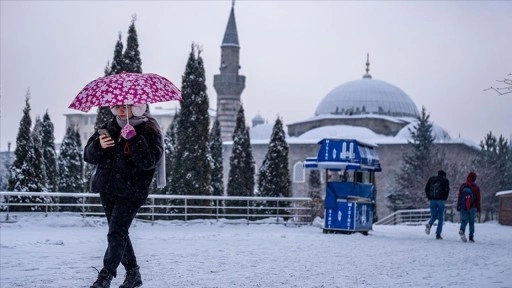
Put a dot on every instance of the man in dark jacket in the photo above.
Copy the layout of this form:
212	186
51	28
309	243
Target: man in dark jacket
125	157
468	215
437	190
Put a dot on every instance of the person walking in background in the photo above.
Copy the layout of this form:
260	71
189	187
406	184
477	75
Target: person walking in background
468	204
126	158
437	190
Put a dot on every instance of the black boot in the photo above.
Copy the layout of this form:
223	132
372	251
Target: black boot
104	279
132	278
471	239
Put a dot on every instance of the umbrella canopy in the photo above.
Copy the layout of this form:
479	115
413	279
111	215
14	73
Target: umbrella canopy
125	89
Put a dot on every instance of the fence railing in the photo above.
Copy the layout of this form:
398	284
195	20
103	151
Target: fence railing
295	210
413	216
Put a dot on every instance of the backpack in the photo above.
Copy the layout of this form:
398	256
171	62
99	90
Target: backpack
435	189
467	198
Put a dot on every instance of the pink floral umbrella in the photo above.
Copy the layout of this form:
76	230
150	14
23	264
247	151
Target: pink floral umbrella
125	89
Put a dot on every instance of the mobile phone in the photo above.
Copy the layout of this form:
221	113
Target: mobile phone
103	132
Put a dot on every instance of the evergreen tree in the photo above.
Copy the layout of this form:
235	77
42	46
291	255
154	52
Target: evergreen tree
241	169
274	176
131	58
314	191
314	184
107	69
38	164
70	165
418	165
49	153
191	170
217	181
22	150
22	175
118	61
494	169
171	145
104	114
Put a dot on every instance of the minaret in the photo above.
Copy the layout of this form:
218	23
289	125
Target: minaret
229	84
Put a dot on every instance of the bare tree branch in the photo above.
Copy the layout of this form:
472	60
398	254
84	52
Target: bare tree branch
503	90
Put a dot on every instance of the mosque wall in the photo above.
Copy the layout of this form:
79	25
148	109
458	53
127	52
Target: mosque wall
391	160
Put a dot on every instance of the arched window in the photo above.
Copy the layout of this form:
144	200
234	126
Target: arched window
299	173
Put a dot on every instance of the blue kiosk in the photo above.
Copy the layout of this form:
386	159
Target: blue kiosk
350	167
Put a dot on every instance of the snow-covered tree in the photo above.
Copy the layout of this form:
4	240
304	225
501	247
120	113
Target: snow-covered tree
191	171
494	158
118	60
104	114
22	173
241	168
70	165
38	166
217	181
274	175
422	161
131	58
49	153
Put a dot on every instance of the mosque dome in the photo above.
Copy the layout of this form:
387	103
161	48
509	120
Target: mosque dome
367	96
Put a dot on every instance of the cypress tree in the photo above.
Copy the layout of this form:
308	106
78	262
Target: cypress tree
118	61
40	180
241	170
22	150
28	160
191	171
49	153
274	179
70	165
131	58
217	181
104	114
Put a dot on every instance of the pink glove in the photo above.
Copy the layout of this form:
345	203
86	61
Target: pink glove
128	132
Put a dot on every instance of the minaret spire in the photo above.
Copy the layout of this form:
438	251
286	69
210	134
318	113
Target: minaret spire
229	84
367	75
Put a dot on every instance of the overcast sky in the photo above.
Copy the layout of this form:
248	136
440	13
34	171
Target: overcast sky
442	54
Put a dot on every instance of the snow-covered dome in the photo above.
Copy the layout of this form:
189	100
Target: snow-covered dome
437	131
340	131
366	96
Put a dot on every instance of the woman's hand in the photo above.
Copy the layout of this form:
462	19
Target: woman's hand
106	141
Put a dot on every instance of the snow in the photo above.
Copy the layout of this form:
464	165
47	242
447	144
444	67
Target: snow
501	193
59	250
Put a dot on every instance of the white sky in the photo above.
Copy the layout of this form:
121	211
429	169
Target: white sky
59	250
442	54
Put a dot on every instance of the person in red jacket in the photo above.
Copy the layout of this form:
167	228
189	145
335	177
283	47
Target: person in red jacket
468	204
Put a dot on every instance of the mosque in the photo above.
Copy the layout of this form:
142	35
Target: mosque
367	109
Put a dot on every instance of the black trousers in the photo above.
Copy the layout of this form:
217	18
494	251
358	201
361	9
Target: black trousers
120	213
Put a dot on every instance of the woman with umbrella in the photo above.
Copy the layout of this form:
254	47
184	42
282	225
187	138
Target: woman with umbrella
126	151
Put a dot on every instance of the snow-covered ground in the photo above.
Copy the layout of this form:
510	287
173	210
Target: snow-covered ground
59	250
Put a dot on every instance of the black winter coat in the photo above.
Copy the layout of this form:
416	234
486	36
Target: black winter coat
444	187
127	168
